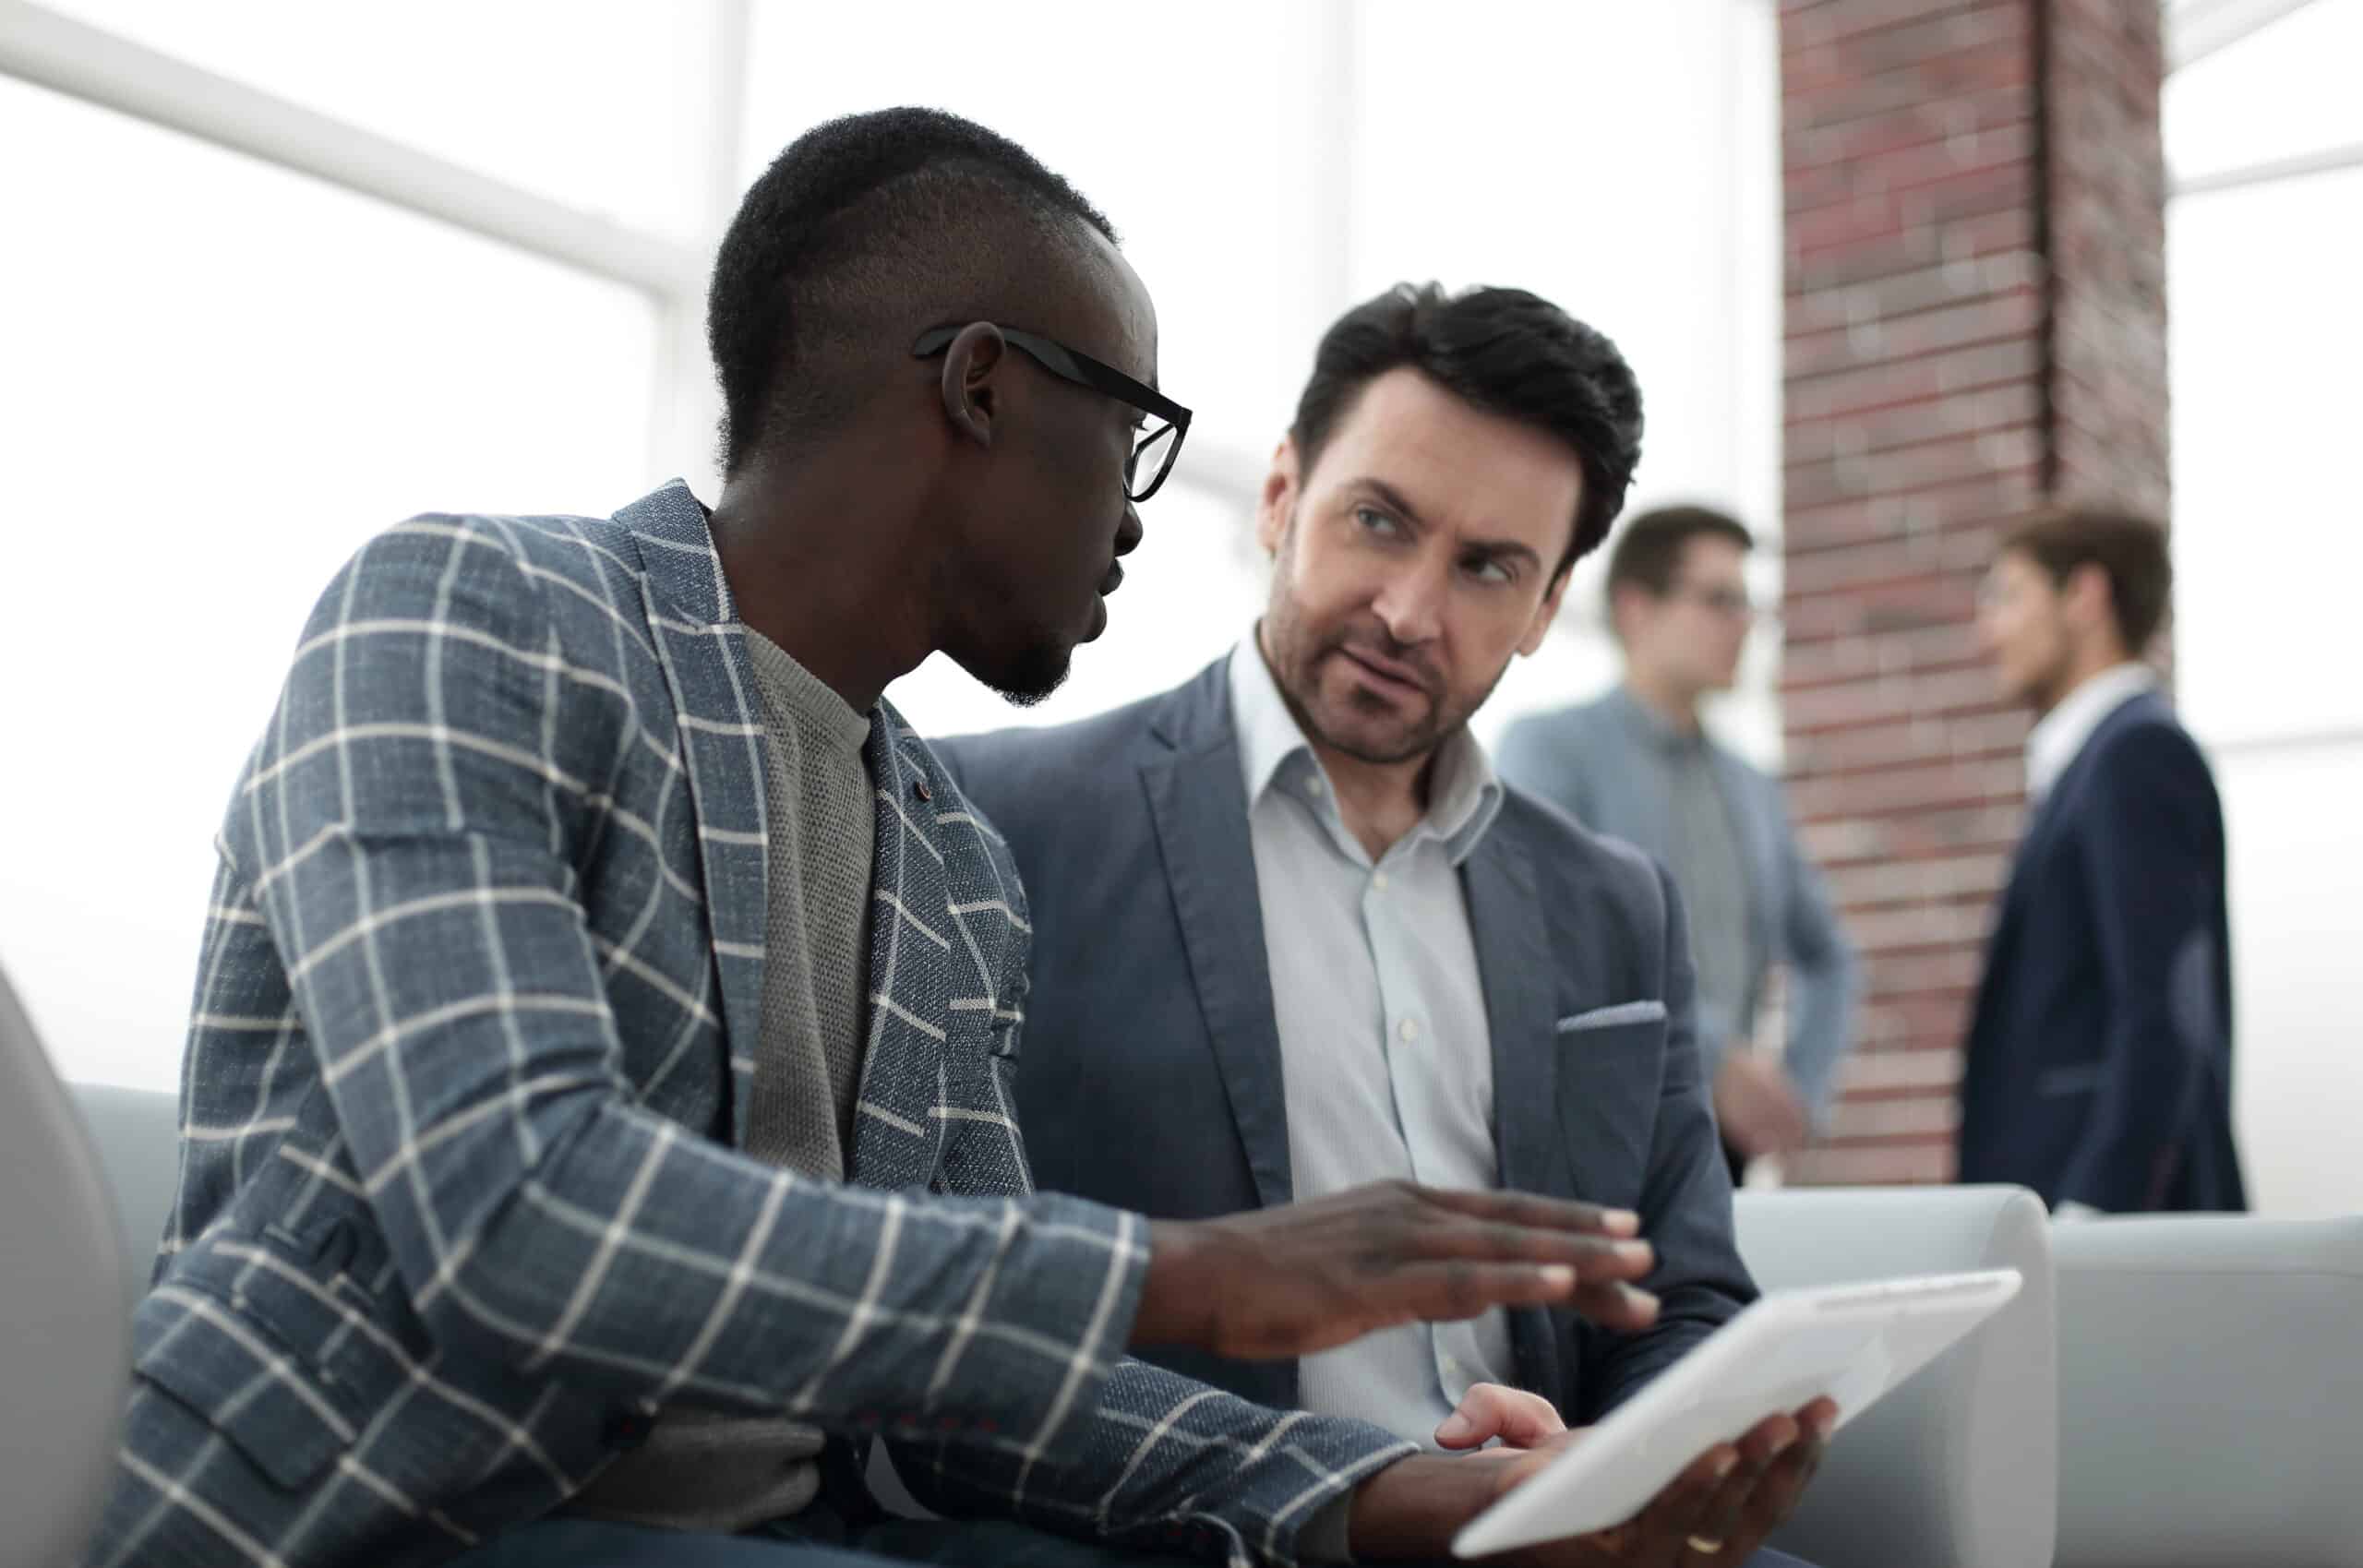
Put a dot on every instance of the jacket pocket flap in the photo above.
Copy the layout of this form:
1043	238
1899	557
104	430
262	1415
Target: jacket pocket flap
235	1374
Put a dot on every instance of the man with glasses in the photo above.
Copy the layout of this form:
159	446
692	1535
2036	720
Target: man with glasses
1639	764
598	1119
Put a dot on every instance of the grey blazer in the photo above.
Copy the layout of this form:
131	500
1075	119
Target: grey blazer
1153	1060
461	1204
1590	761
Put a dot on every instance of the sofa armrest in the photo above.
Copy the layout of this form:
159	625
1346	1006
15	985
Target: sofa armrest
2210	1387
1959	1467
138	1135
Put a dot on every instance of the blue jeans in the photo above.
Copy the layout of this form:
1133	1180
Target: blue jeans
988	1543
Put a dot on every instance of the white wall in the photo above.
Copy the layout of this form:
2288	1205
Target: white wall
2266	336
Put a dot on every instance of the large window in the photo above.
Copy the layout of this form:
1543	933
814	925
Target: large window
221	377
2264	141
295	271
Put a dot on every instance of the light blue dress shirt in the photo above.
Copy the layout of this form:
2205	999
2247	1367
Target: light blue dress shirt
1386	1057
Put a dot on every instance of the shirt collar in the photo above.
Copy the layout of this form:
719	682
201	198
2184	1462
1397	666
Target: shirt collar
1464	792
2055	739
1653	726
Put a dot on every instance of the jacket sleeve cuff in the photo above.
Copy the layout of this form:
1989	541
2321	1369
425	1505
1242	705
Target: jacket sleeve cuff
1323	1538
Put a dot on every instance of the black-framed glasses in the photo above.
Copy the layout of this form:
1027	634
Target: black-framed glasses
1153	454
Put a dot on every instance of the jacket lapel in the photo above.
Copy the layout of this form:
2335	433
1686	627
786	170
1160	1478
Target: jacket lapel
703	653
1199	804
2043	821
2047	819
1514	964
898	1137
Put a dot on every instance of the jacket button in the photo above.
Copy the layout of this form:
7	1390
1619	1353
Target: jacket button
919	787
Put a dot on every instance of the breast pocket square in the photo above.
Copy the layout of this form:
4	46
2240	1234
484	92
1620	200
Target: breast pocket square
1612	1017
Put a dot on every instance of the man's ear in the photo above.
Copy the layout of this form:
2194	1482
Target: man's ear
2085	597
1277	501
1545	614
971	366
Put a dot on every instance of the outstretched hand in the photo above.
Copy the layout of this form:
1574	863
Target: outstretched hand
1288	1281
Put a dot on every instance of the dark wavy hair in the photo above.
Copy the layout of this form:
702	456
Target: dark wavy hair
2130	550
1506	351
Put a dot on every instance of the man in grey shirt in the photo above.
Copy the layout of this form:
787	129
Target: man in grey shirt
712	1470
1638	765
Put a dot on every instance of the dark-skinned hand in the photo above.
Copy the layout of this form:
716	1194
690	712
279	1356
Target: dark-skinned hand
1303	1278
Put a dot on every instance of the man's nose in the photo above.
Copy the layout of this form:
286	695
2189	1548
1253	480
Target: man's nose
1410	604
1128	536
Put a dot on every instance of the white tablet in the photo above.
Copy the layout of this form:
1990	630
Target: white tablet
1851	1342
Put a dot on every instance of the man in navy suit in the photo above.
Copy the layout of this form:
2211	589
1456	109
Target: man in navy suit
2099	1065
1291	933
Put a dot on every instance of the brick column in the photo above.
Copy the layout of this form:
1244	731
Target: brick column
1975	319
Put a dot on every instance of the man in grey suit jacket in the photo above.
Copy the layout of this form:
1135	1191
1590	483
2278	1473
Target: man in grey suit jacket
1292	934
597	1118
1638	765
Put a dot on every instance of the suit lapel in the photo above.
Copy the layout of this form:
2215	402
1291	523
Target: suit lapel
703	653
1514	964
1199	804
898	1137
2045	822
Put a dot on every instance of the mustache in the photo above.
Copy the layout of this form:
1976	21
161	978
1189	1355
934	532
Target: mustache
1375	640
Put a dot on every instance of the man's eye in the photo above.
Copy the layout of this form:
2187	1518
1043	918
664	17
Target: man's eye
1491	570
1375	521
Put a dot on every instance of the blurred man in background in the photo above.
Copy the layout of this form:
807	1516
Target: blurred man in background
1640	765
2099	1061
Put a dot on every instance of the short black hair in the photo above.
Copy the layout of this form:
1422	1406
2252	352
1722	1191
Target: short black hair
862	226
2129	549
1648	552
1504	351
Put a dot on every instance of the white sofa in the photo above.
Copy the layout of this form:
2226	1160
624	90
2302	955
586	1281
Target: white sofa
2210	1393
1944	1474
1958	1469
62	1366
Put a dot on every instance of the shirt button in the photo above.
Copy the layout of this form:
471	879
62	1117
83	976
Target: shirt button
1409	1029
1378	880
1313	787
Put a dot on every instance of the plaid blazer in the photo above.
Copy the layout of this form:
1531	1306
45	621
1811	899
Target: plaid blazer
461	1206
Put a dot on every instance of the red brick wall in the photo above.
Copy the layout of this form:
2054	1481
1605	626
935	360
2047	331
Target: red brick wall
1974	318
